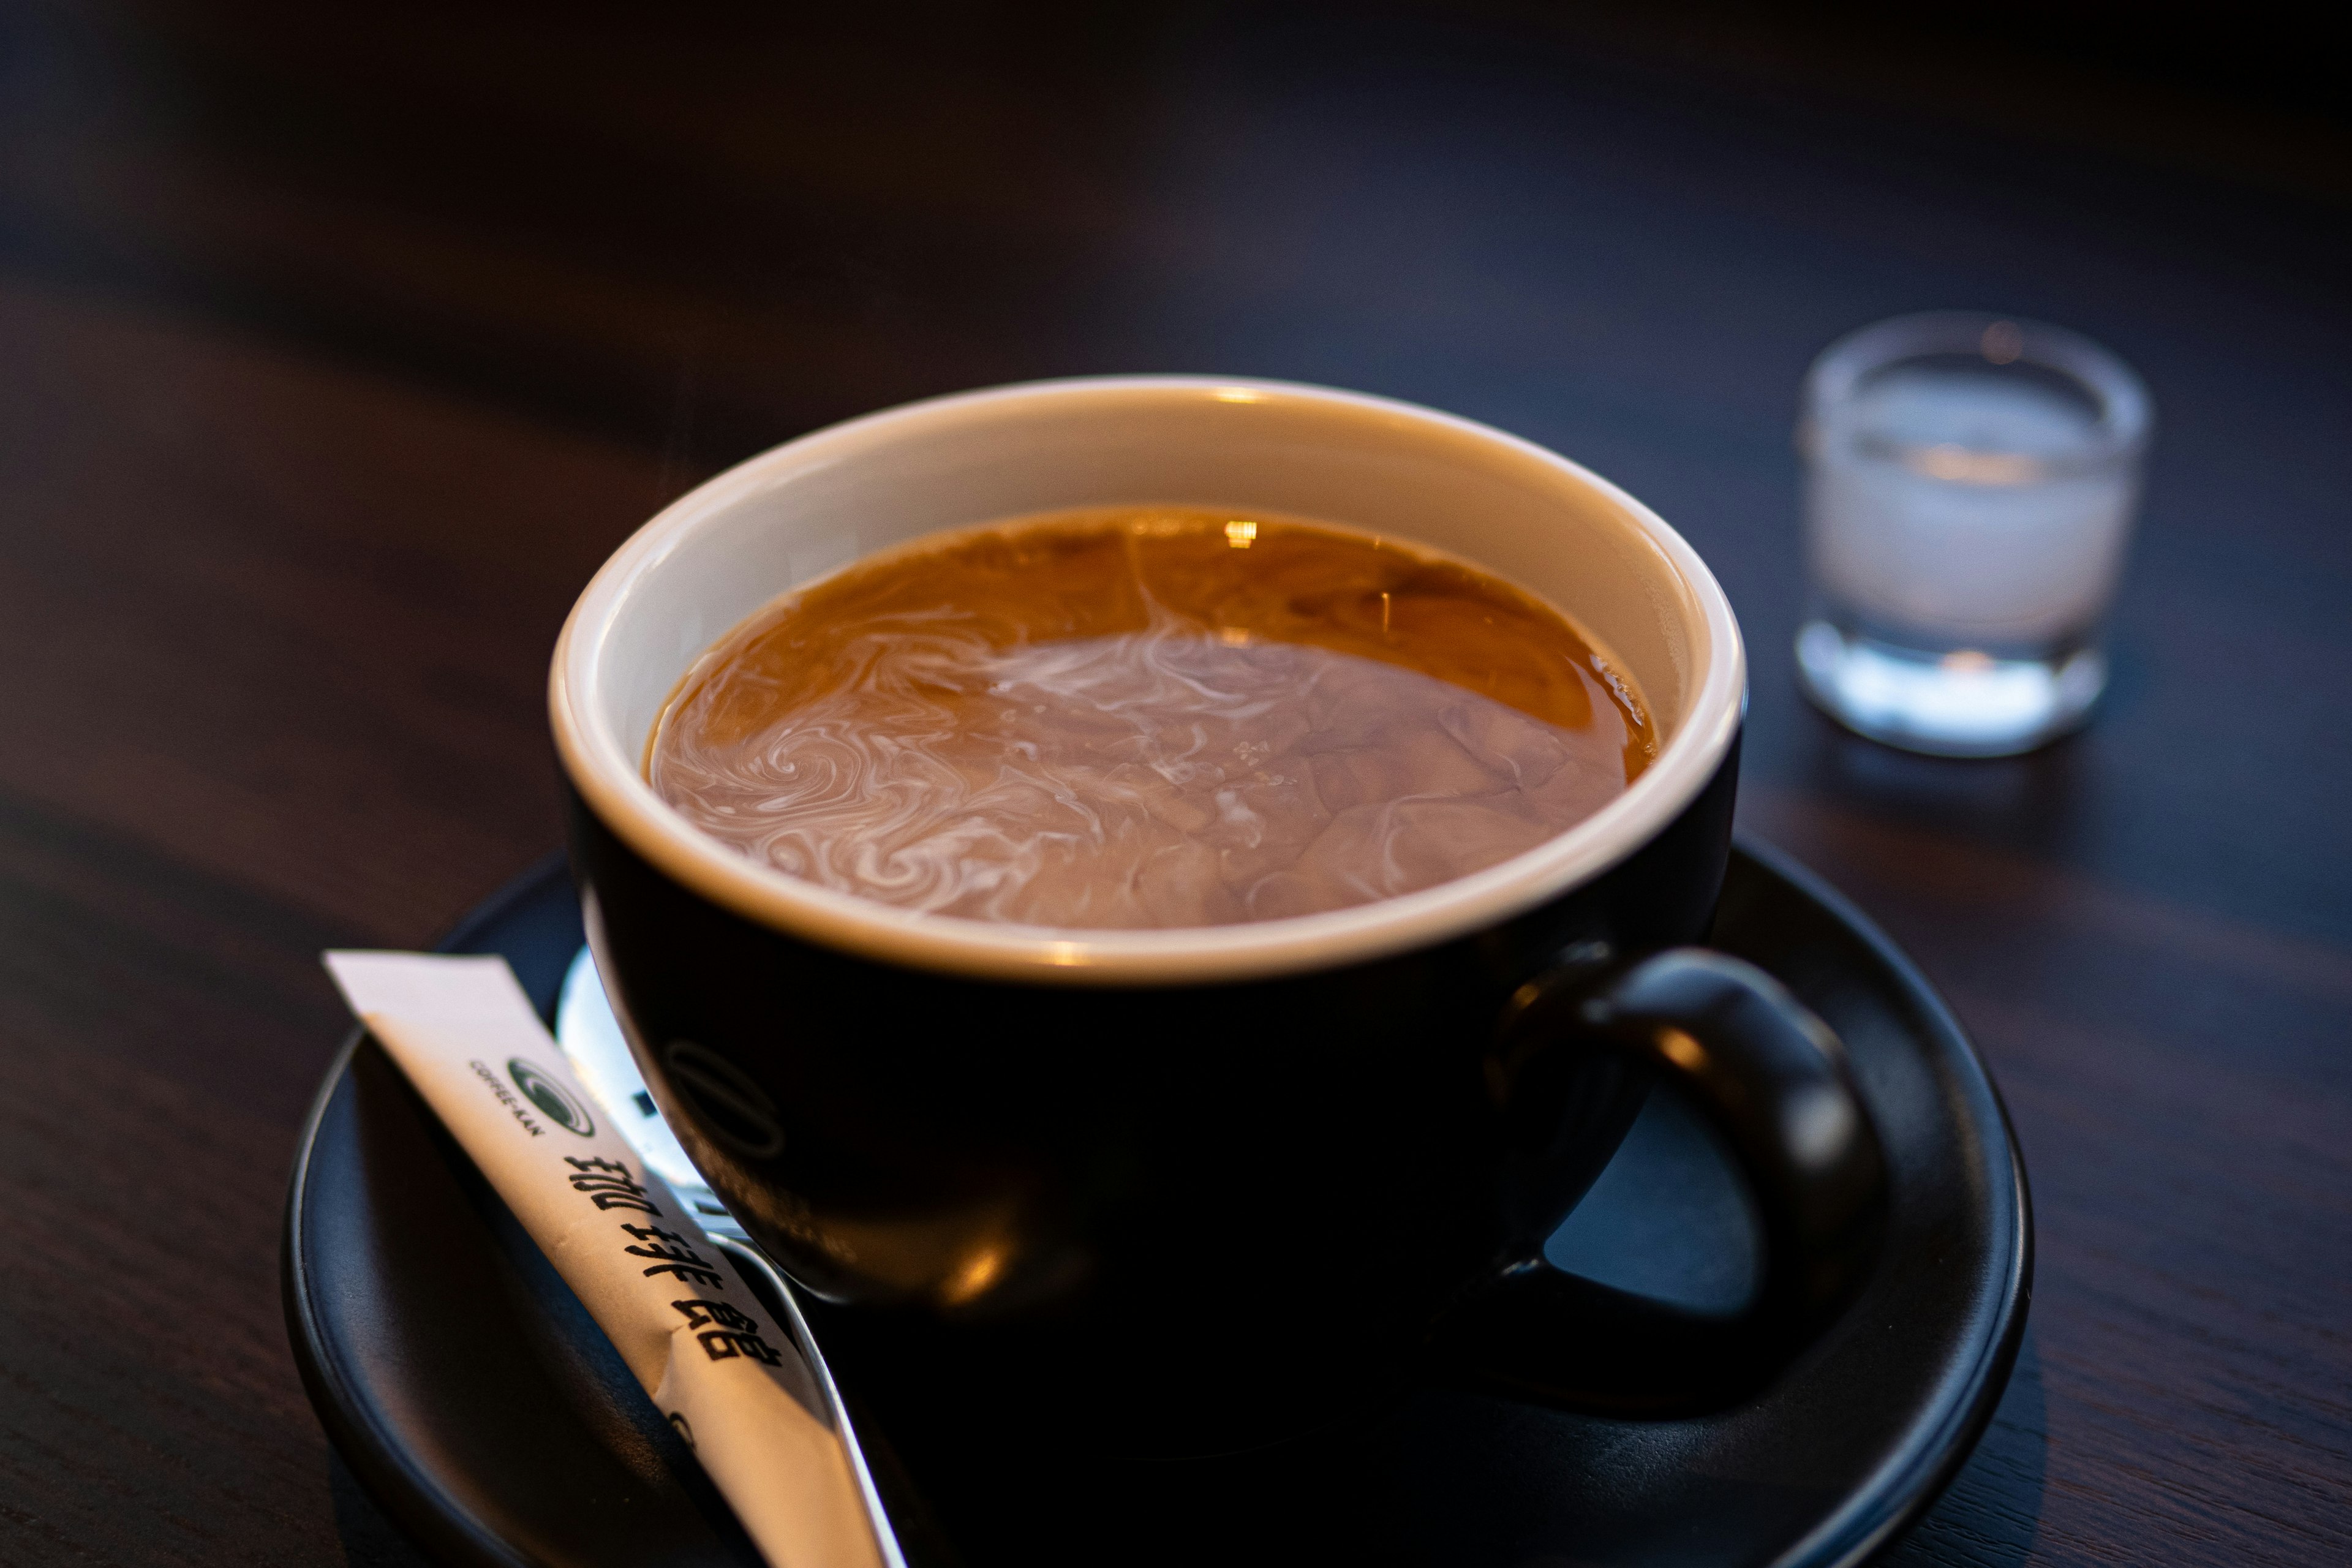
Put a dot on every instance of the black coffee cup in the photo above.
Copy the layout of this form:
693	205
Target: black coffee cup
1178	1190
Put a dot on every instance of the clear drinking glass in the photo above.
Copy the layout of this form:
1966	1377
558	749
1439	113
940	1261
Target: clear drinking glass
1970	482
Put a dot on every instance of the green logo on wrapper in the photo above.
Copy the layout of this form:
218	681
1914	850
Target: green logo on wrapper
551	1097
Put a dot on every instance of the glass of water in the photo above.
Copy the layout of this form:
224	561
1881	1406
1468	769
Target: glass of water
1970	482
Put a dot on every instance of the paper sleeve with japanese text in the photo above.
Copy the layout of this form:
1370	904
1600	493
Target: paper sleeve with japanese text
688	1325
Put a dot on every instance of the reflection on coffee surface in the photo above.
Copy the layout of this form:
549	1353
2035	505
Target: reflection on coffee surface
1148	717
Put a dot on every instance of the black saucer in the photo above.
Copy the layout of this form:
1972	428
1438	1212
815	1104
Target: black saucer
471	1393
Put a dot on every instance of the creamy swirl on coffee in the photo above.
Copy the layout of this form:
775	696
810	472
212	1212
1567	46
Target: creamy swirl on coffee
1148	718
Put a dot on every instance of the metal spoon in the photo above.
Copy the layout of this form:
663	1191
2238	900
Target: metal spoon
591	1037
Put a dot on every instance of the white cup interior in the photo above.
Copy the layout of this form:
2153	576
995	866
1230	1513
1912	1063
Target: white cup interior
815	504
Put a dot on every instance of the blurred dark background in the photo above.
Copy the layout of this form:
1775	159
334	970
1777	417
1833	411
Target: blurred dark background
706	227
338	344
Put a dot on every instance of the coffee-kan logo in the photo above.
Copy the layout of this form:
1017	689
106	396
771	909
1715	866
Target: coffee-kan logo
550	1097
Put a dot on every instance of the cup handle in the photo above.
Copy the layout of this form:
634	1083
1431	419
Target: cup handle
1773	1079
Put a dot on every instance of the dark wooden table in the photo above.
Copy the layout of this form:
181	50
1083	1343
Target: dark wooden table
334	355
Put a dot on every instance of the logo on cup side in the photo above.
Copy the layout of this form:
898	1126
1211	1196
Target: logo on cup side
734	1110
551	1097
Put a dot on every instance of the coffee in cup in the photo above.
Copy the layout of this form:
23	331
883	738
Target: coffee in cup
1149	716
1179	1188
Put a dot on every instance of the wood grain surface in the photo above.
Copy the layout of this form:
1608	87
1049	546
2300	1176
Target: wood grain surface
336	352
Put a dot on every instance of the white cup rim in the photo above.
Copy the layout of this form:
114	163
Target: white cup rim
603	766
